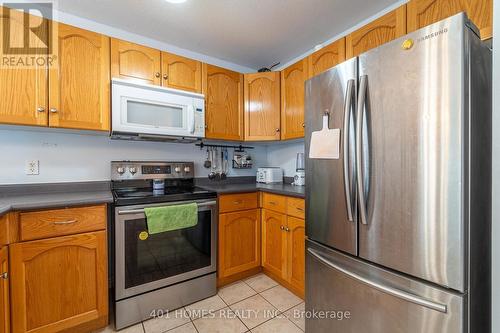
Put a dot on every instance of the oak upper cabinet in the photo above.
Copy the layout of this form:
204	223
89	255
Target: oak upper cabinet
181	73
59	283
296	252
79	84
224	104
262	106
4	291
274	242
293	79
382	30
327	57
424	12
239	242
23	89
135	62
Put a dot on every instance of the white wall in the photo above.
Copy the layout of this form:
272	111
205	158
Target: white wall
72	157
496	167
284	155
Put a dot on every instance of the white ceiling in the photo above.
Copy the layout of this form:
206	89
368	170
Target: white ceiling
250	33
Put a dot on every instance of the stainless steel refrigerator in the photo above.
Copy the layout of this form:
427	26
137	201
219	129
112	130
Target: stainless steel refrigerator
399	225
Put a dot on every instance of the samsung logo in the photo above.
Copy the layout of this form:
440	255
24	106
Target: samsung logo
432	35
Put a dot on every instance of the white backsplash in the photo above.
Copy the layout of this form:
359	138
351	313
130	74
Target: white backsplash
73	157
284	155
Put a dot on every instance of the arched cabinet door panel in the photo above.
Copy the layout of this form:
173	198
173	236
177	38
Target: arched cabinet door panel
180	72
327	57
274	238
293	79
79	83
135	62
262	106
224	104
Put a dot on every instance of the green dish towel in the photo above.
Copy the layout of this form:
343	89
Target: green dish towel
169	218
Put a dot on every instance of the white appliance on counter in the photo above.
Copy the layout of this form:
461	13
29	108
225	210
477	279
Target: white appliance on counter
147	112
270	175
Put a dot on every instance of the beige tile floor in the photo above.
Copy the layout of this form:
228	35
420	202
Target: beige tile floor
257	304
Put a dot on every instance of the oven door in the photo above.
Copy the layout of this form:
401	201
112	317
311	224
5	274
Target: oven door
147	262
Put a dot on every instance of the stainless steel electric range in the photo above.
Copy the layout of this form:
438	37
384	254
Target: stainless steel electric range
160	272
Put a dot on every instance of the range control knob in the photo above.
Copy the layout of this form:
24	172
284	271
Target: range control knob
177	169
133	170
187	169
120	170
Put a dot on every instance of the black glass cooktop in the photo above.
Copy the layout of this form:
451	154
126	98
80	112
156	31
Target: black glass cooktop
136	196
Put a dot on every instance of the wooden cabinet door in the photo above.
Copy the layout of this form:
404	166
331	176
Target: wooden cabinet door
23	89
327	57
79	83
58	283
4	291
424	12
274	242
262	106
296	252
239	242
135	62
180	72
224	104
292	100
382	30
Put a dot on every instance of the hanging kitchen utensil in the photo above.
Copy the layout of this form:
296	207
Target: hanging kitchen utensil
207	163
211	175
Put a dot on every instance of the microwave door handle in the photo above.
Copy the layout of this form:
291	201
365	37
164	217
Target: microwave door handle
190	109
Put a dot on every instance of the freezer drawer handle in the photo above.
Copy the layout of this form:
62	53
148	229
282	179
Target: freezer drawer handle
359	147
388	290
347	117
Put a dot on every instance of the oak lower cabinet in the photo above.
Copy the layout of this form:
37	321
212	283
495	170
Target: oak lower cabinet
424	12
293	80
382	30
4	291
274	241
224	104
239	242
59	283
262	106
79	84
296	242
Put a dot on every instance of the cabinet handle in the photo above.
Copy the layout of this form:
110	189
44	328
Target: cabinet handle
237	202
53	110
287	229
65	222
4	276
299	209
277	130
157	74
165	76
303	125
282	227
40	109
272	203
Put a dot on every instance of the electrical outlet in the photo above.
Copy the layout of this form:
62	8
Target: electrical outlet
32	167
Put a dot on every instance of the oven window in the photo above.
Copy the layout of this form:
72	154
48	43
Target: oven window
166	254
156	115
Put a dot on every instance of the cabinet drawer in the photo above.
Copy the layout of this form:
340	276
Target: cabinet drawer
296	207
59	222
235	202
274	202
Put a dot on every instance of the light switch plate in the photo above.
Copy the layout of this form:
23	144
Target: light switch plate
32	167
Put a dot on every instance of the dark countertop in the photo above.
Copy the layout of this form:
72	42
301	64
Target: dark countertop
37	196
283	189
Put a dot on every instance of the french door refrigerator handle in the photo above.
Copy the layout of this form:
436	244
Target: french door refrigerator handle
383	288
359	147
347	116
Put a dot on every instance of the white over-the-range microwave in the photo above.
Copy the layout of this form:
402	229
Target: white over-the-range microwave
148	112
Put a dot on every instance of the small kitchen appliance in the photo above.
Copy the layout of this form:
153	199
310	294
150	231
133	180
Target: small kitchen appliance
165	270
299	178
270	175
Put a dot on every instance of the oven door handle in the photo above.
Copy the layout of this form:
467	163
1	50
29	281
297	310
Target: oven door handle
138	211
